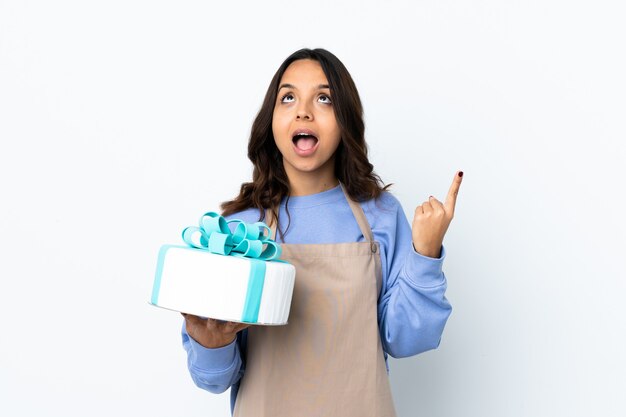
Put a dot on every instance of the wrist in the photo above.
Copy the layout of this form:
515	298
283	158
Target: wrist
215	342
428	252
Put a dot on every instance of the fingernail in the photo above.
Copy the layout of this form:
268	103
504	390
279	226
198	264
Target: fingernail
460	173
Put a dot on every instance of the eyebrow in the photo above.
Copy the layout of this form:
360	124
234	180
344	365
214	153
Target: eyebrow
319	87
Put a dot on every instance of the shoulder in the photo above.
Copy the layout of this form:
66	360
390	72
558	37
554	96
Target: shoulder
249	215
384	214
386	205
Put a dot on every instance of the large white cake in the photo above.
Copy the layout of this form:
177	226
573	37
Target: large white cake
223	287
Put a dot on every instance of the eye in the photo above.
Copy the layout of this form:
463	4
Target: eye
282	99
327	99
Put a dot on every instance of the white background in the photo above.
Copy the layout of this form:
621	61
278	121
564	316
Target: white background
121	122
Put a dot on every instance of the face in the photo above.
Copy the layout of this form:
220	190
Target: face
304	124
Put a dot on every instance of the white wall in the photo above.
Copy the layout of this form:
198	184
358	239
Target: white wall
121	122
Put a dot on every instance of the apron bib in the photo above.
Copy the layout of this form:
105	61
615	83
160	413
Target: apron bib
328	360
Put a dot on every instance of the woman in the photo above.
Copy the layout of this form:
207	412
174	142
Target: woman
366	284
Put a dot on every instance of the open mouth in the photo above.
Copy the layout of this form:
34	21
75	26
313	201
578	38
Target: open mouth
304	142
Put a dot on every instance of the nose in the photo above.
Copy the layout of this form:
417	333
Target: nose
303	112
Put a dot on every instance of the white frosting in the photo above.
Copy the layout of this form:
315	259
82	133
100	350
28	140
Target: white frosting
209	285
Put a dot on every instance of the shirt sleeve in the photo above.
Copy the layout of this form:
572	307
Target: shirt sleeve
412	307
214	370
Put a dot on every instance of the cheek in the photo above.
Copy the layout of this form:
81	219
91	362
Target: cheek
334	131
280	125
281	136
336	144
276	127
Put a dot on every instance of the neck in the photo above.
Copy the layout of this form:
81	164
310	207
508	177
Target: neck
306	183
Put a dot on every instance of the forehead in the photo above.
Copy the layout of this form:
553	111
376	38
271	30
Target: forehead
304	73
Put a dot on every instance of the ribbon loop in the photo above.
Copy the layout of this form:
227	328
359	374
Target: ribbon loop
247	240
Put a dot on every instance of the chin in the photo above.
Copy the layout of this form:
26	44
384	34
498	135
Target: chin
305	167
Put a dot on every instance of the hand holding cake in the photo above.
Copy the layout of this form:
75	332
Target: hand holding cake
212	333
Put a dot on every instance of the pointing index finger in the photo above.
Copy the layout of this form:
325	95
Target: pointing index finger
454	191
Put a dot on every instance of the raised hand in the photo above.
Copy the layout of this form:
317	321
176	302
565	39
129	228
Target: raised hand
432	219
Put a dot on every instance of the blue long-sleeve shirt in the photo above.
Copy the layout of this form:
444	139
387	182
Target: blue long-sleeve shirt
412	307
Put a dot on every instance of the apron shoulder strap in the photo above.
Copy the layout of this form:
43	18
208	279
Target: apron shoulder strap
359	215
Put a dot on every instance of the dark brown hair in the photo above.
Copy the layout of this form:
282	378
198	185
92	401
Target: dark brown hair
269	181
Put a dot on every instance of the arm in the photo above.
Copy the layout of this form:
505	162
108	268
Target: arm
214	347
412	307
213	369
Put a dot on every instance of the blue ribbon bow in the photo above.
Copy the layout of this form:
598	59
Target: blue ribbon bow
247	240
